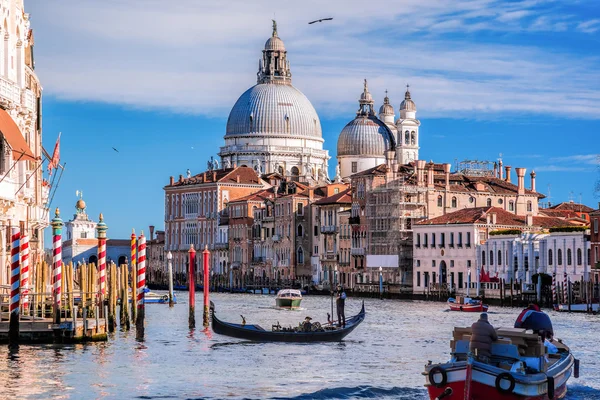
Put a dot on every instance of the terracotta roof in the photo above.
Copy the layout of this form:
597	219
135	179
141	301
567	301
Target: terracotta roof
261	195
478	215
247	176
344	197
570	206
381	169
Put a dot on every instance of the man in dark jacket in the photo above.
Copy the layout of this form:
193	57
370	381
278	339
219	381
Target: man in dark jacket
483	335
533	318
340	305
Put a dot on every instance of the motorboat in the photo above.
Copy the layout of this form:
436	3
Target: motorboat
521	366
580	307
312	332
288	298
159	298
466	304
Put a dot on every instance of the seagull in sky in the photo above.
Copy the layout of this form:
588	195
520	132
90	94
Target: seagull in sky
115	150
321	20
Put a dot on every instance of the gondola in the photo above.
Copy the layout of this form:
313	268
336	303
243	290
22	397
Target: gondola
326	333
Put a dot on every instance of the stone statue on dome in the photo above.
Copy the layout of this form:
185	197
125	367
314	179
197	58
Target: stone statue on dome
226	164
338	173
257	167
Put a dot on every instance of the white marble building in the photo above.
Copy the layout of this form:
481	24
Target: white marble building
23	194
273	127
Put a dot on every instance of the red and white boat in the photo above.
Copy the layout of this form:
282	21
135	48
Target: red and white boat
466	304
519	368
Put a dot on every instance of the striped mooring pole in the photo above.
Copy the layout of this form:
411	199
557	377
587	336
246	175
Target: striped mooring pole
57	225
101	229
141	283
554	288
25	274
565	289
15	282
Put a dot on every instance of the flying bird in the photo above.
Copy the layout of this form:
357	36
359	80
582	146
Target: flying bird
320	20
115	150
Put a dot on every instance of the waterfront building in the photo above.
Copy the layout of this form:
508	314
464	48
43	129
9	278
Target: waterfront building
81	244
23	192
193	208
156	260
595	243
577	213
273	127
333	213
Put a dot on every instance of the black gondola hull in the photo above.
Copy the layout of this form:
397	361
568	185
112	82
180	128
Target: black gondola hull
256	333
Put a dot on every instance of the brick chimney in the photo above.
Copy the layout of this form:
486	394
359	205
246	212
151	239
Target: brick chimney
204	176
529	220
237	178
214	177
495	170
430	181
180	178
520	180
532	181
508	173
493	218
420	172
447	173
151	229
171	181
500	169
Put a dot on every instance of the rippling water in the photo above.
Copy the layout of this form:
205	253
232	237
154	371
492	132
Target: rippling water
383	358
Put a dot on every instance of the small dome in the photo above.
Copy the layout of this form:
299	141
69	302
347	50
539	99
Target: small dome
274	43
407	104
365	136
80	205
386	108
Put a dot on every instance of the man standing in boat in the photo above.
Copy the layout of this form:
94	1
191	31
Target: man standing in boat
533	318
340	304
483	335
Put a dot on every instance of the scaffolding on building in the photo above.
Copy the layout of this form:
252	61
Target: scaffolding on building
391	210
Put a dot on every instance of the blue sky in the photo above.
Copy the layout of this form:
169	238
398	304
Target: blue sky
518	78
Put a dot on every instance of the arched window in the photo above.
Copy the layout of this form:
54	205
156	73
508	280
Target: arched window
300	255
483	258
295	171
454	202
579	262
440	201
491	257
529	206
569	257
300	208
559	256
406	137
300	231
413	138
511	206
499	260
489	202
280	170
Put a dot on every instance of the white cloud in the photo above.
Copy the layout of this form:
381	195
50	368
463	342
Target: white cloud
590	26
198	57
593	159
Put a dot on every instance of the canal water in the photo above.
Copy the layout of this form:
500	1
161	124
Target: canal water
382	359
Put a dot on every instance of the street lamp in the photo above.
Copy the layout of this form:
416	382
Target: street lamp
170	267
380	282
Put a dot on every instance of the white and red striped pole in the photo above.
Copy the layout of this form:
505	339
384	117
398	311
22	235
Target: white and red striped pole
57	225
25	274
554	288
101	229
141	284
15	289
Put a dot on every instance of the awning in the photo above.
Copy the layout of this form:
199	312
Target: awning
15	139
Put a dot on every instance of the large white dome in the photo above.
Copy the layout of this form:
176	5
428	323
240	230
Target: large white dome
273	109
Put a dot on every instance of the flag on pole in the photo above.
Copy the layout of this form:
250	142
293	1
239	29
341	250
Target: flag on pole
55	156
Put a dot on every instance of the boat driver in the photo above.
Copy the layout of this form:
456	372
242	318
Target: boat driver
483	335
307	325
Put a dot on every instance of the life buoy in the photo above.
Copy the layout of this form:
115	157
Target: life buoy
433	372
165	298
505	376
550	381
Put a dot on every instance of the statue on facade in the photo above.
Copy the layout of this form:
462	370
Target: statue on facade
189	173
338	173
215	164
226	164
257	167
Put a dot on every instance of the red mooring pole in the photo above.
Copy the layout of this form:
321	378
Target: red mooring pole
192	287
141	284
206	255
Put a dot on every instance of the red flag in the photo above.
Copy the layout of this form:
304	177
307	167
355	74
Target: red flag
55	156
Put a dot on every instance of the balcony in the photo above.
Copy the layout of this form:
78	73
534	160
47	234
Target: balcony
357	251
258	260
10	91
329	229
276	238
29	99
354	220
221	246
596	266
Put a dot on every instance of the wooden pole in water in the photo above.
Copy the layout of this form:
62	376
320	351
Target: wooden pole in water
133	276
101	229
170	268
192	288
502	292
511	291
111	297
15	289
124	297
57	225
569	294
141	283
206	255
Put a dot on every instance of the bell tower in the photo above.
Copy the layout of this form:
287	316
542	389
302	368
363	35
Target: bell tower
274	66
407	143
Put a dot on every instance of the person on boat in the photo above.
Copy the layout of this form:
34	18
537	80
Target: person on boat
307	325
533	318
340	305
483	335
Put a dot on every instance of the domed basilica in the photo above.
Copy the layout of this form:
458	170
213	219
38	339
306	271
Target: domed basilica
273	127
